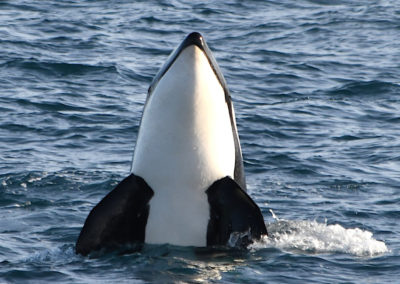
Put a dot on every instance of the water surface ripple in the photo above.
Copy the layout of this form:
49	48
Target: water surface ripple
316	87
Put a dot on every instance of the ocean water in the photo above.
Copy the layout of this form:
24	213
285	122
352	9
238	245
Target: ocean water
316	89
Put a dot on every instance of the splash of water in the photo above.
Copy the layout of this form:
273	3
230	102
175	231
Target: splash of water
315	237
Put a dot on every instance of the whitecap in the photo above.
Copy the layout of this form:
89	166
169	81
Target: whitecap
317	238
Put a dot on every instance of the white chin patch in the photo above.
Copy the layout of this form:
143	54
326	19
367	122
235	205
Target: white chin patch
185	143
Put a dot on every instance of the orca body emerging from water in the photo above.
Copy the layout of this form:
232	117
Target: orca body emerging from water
187	185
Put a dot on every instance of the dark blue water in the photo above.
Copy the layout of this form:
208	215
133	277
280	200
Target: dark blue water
316	87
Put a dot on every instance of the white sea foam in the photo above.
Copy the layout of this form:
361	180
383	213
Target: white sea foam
56	254
315	237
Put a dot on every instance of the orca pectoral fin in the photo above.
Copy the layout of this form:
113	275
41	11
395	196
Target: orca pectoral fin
119	218
233	215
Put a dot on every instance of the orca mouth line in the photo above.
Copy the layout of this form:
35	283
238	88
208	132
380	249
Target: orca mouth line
196	39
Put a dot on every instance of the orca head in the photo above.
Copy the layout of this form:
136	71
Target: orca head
188	111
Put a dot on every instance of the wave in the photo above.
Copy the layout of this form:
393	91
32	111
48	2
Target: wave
58	68
312	237
364	89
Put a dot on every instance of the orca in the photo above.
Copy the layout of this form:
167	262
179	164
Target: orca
187	185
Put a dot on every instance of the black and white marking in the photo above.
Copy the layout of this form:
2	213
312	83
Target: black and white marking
187	185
